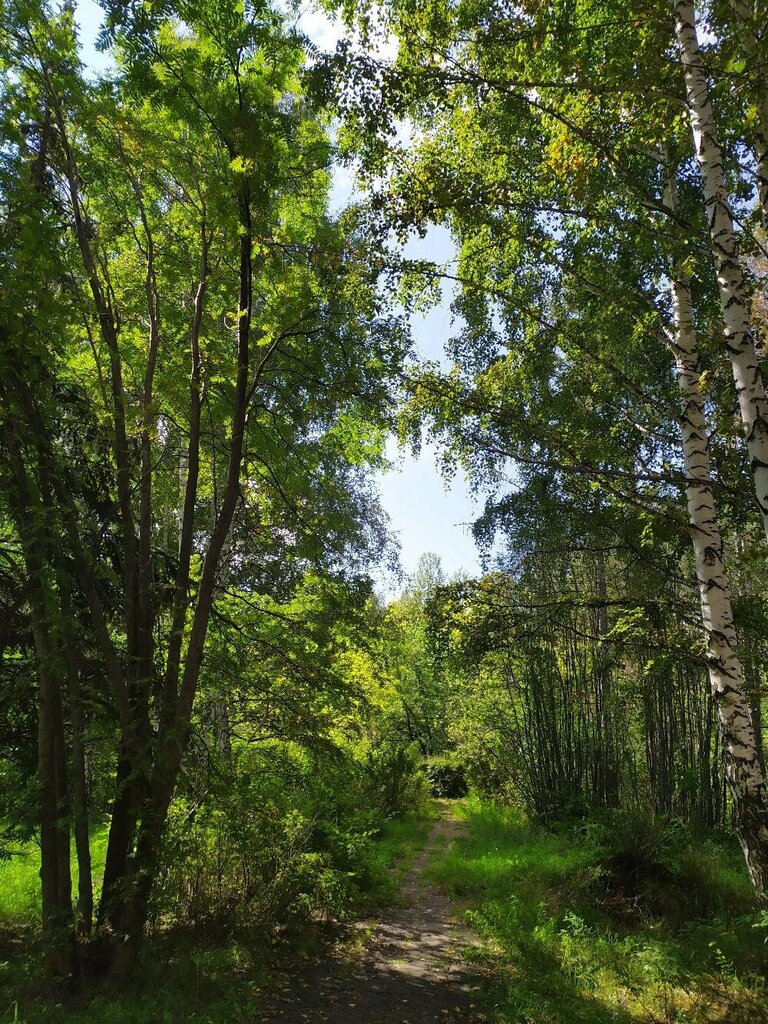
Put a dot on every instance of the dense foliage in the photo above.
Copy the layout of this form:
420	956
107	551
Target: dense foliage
602	174
207	716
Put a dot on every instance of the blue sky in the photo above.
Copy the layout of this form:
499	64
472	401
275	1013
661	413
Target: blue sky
425	513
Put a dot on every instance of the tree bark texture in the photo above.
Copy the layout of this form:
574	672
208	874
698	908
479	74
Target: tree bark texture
739	337
743	768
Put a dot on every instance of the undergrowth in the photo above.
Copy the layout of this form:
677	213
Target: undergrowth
620	920
187	974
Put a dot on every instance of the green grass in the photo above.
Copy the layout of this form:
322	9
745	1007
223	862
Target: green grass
183	979
20	879
20	885
557	950
393	849
186	977
561	953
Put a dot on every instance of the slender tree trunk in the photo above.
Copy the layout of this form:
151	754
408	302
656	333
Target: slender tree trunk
79	782
145	602
55	875
122	828
742	762
55	878
606	755
63	804
757	714
80	808
740	343
122	824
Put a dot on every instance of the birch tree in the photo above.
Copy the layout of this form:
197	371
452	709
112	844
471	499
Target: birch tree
734	300
743	766
538	148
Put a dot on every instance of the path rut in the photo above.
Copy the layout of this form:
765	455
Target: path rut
409	971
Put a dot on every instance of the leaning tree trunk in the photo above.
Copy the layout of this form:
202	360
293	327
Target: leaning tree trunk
743	767
740	343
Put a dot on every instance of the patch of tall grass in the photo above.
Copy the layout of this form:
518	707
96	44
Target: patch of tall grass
623	919
20	879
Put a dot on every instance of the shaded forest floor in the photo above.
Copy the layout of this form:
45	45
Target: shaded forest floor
208	978
478	916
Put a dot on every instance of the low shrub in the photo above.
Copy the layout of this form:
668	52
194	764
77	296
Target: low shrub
394	780
655	866
282	835
276	841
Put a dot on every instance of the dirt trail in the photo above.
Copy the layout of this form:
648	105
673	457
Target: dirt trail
409	971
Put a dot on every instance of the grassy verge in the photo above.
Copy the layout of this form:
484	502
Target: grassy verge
575	931
185	977
395	846
20	886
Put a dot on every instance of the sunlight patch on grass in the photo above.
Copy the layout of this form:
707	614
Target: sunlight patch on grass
20	879
393	850
185	976
559	958
20	885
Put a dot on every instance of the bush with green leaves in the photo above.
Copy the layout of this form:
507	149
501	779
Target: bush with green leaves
655	865
394	780
276	839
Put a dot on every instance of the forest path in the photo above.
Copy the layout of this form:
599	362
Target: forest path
410	970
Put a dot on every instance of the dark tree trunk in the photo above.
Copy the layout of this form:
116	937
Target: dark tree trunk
45	616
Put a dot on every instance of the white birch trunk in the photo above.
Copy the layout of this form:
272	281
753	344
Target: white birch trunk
740	343
743	768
